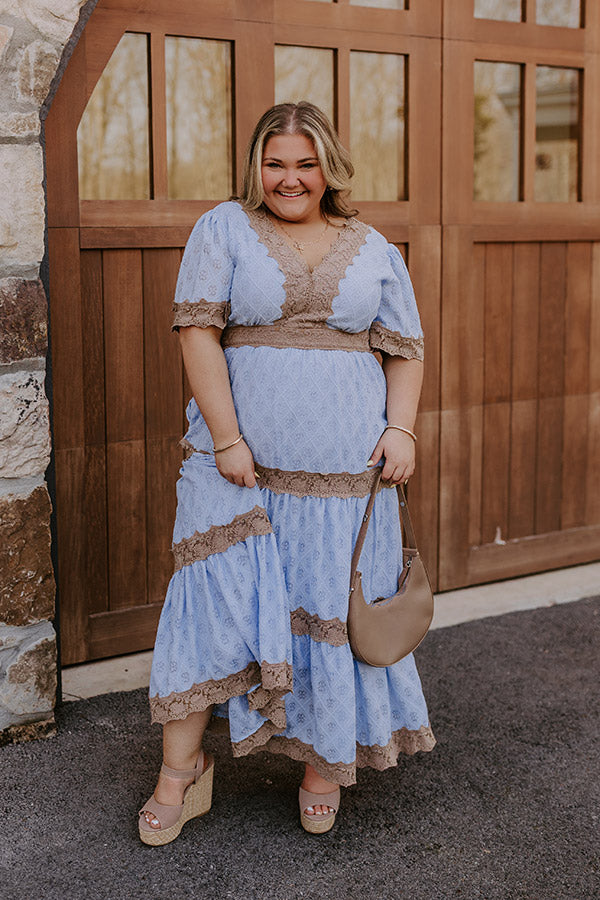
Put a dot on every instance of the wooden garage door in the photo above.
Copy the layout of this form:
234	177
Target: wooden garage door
129	170
475	128
520	401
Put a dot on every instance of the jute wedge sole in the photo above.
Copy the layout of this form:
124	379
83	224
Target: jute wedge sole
316	824
197	801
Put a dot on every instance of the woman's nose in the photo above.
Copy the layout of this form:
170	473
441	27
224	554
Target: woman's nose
290	177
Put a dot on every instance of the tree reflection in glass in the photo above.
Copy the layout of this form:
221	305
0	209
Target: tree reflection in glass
199	118
496	138
565	13
377	126
504	10
304	73
380	4
557	134
113	144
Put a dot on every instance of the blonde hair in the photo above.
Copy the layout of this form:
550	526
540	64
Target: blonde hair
307	119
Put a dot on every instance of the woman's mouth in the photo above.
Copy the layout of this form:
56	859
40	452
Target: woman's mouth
290	195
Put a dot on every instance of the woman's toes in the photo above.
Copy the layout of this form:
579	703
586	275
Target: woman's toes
151	820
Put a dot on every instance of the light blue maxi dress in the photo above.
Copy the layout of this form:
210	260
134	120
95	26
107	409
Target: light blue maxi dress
254	619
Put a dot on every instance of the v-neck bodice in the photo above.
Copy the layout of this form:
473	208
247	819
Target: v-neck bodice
239	273
309	292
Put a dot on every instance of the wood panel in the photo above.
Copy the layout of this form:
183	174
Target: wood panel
127	540
424	260
164	403
70	525
550	387
67	349
126	631
592	501
95	527
496	395
524	367
576	384
521	556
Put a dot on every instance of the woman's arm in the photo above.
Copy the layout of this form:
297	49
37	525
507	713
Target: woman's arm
404	379
208	375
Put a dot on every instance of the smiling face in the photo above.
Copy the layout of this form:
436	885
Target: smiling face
292	179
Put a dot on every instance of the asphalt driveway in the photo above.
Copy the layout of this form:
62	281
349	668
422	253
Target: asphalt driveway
505	807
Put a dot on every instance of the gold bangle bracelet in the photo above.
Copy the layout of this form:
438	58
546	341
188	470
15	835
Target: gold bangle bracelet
227	446
405	430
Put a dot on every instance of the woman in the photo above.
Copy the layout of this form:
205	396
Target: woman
280	298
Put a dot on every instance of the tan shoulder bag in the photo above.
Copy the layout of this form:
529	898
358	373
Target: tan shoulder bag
389	628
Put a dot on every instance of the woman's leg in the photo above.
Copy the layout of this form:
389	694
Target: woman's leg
182	740
314	783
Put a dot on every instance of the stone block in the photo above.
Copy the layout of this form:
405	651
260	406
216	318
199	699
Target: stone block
5	35
54	19
32	731
24	314
27	674
22	214
20	125
24	425
27	585
36	68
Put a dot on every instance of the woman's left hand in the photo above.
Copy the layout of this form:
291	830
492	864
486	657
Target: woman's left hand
398	451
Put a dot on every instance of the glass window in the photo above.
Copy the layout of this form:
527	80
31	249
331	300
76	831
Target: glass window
380	4
304	73
377	125
566	13
557	134
199	118
496	139
113	137
505	10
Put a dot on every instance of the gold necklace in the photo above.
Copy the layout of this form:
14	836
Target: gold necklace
300	245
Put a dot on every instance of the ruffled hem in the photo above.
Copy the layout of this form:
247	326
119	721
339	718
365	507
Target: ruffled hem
377	757
266	685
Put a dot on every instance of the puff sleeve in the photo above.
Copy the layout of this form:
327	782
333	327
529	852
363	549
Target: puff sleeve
396	329
205	275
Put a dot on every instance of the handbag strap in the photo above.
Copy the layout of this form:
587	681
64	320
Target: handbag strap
407	526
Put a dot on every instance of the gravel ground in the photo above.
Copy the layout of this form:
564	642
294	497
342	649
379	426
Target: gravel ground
505	807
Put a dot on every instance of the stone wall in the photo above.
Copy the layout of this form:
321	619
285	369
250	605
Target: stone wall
33	38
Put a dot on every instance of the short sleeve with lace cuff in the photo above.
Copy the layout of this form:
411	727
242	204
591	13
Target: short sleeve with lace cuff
204	281
396	329
201	313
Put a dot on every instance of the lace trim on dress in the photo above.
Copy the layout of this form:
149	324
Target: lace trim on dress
275	679
329	631
395	344
219	538
201	313
189	449
293	333
377	757
308	299
315	484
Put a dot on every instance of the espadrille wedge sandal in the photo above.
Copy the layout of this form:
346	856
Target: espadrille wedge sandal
318	824
196	802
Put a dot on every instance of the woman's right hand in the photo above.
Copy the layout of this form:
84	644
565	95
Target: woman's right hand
237	465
